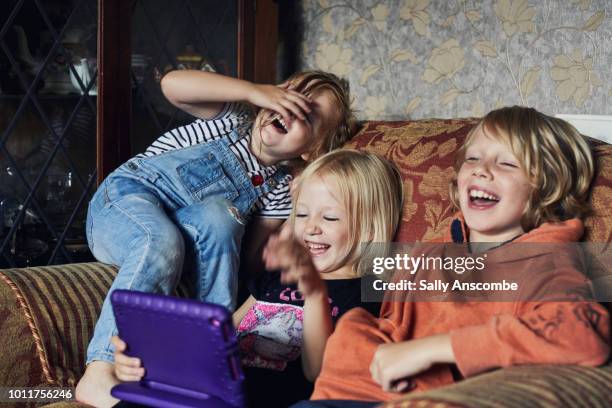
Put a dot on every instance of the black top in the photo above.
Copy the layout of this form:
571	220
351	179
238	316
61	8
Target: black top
271	337
344	294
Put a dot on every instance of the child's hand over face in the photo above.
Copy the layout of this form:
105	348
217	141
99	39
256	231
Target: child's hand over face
281	99
284	253
126	368
393	363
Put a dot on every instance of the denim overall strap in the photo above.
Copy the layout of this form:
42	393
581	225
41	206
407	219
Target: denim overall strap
272	181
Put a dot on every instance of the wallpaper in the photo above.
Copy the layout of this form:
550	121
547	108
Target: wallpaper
435	58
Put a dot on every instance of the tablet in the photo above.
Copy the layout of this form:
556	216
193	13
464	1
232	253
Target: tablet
188	349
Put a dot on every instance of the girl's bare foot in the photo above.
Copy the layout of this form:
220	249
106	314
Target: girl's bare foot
95	385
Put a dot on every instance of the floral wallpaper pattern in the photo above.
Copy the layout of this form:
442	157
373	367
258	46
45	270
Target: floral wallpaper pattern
437	58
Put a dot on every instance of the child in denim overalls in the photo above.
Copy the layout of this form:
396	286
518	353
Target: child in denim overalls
193	190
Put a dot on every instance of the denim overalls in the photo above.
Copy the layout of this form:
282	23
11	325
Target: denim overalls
151	211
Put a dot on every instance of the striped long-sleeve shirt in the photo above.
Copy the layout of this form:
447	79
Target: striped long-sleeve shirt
233	116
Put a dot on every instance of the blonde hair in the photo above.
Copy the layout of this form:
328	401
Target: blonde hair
311	83
371	190
554	155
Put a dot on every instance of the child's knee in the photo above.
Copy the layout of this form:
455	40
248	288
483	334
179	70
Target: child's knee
226	224
164	247
218	222
224	218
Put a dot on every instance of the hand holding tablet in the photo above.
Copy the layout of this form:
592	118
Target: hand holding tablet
188	349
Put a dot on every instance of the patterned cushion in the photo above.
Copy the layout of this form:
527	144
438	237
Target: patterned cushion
599	226
425	150
535	386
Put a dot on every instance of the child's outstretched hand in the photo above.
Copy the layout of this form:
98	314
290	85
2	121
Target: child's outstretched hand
394	363
284	253
281	99
126	368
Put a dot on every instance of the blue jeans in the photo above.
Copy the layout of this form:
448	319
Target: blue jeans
152	212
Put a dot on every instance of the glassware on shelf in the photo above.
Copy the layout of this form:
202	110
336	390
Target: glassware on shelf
12	194
140	63
9	208
58	187
190	59
86	70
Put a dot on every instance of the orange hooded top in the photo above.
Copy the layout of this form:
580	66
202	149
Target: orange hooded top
484	335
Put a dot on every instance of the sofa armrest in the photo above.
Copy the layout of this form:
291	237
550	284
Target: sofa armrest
19	365
48	314
541	386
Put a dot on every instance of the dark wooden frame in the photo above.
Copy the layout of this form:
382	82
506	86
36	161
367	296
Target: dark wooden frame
114	86
257	32
257	40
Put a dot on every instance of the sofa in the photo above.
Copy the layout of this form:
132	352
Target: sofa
47	314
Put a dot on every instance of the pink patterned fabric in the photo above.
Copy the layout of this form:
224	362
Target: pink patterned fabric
270	335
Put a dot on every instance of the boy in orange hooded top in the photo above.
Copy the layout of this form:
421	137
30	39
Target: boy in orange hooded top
523	177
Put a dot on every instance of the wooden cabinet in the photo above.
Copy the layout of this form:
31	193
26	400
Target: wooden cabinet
60	135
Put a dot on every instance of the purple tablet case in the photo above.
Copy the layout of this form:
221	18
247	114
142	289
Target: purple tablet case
188	349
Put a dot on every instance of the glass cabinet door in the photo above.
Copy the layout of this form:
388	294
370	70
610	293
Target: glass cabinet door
47	129
80	94
175	35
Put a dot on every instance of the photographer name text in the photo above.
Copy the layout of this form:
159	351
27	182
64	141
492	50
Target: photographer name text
439	285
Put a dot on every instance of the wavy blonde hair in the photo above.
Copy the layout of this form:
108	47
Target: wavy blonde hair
555	157
372	193
312	83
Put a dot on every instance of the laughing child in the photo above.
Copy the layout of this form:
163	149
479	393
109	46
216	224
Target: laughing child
343	202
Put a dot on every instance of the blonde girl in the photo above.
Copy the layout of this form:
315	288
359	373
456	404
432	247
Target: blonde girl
343	203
